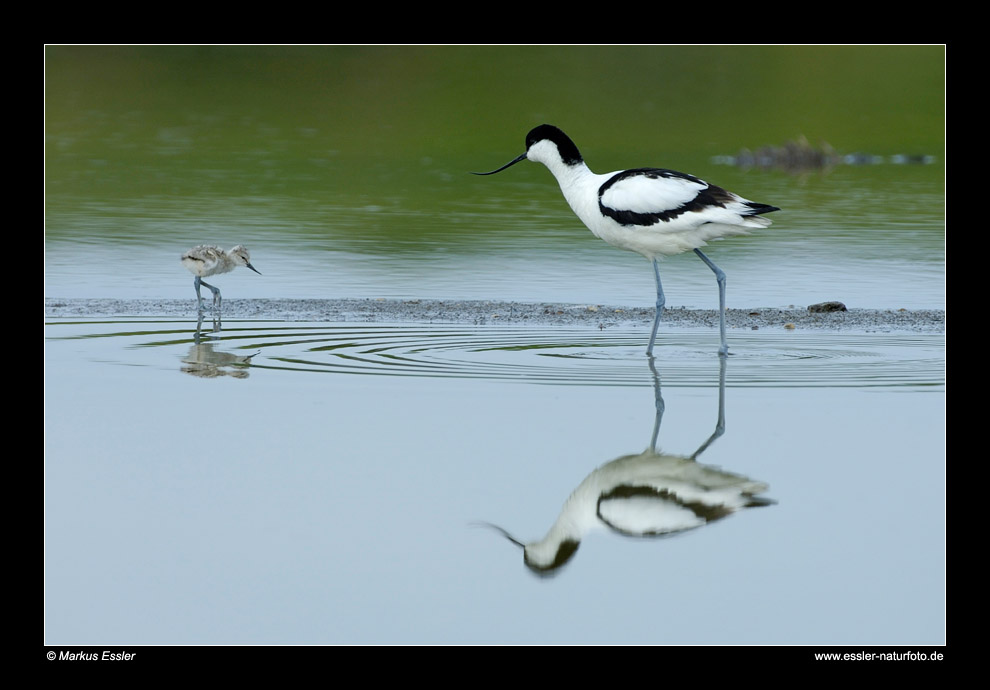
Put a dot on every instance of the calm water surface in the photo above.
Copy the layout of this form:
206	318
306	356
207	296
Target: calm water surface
320	483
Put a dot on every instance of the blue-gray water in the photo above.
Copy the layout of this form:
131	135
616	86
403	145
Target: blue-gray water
321	483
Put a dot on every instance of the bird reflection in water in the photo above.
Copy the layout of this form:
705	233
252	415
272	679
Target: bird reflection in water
214	331
205	361
652	494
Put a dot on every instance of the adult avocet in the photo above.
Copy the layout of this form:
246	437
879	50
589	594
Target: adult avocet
652	211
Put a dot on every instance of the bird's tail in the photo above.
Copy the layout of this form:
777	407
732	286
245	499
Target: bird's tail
755	209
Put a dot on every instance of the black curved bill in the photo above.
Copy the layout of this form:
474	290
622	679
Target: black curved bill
488	524
507	165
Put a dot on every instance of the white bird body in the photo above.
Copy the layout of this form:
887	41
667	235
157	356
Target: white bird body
653	194
651	211
208	260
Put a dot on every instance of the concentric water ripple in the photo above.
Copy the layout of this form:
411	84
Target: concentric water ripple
561	356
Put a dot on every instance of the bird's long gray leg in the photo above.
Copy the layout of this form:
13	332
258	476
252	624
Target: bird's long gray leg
720	278
216	294
199	298
661	301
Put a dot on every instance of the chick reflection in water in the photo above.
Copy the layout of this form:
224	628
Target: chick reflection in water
205	361
652	494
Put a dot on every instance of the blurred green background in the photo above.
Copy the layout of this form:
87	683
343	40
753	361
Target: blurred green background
342	154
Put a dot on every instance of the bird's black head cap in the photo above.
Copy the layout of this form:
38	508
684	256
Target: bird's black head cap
568	151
